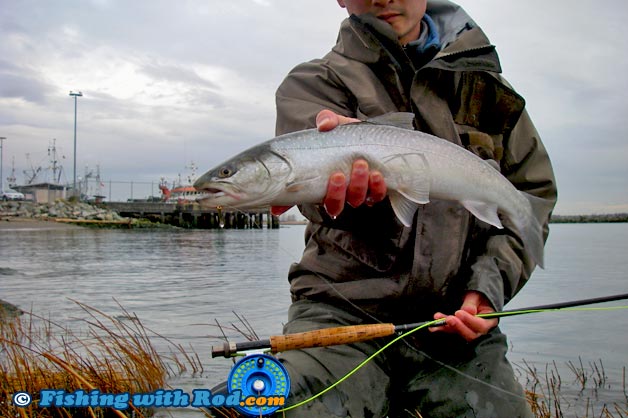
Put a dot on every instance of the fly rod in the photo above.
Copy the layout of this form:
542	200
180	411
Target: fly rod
355	333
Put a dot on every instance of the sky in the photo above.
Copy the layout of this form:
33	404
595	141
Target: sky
166	84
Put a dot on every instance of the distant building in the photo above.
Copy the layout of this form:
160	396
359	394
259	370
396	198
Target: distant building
43	192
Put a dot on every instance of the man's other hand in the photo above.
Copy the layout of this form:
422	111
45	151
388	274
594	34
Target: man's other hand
464	321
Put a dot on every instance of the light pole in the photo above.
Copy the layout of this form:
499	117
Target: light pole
75	95
2	138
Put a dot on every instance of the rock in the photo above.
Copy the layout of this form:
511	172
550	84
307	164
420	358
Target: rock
58	209
8	311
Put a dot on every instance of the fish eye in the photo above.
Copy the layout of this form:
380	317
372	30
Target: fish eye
225	171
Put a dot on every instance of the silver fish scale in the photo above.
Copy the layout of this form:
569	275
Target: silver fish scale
451	166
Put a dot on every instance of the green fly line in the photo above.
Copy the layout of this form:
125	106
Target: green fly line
435	322
424	325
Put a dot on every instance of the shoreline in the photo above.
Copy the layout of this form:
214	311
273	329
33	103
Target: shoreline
26	224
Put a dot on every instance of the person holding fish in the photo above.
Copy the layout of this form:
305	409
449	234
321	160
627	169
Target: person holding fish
444	219
361	265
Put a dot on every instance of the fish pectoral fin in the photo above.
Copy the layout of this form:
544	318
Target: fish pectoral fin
411	173
412	176
297	186
486	212
403	207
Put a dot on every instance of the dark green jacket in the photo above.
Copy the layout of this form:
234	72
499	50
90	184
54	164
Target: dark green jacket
366	256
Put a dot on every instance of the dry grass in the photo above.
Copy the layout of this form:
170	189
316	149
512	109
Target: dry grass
546	390
115	355
579	394
109	354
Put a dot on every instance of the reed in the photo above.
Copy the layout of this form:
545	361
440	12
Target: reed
111	354
115	355
549	390
550	397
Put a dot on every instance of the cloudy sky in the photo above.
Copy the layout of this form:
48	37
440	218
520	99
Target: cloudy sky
167	83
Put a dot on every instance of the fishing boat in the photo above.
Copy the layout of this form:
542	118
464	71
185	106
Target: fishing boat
182	191
178	194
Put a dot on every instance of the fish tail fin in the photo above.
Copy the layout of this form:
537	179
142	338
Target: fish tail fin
532	230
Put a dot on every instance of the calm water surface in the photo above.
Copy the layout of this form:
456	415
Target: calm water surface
178	282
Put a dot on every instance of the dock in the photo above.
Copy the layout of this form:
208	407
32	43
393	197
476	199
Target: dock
191	215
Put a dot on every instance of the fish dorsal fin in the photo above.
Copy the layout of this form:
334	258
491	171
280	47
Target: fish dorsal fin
412	176
486	212
494	164
403	208
403	120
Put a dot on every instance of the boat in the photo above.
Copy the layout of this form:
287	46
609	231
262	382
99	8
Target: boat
178	194
181	192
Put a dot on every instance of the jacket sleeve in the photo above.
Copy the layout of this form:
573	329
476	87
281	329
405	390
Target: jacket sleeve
504	267
306	90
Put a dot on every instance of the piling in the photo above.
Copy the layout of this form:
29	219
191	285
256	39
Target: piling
191	215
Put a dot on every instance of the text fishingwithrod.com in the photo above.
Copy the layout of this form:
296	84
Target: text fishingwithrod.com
161	398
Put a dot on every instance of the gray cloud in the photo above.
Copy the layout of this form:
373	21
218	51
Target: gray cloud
167	83
22	83
178	75
19	87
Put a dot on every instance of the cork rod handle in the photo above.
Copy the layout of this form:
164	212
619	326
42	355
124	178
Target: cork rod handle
330	336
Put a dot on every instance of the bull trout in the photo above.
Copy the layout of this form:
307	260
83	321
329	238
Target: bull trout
294	169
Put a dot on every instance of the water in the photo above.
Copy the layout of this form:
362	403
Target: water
178	282
583	261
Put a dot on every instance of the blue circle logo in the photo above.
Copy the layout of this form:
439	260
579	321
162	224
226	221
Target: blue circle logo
263	382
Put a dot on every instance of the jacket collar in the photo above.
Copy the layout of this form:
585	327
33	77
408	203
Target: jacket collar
369	40
450	19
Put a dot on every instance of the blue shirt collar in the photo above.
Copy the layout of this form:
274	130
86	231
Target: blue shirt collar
428	39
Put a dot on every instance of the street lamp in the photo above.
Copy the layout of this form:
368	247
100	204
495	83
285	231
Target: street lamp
75	95
2	138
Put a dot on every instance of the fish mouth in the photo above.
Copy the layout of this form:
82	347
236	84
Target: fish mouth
216	192
211	192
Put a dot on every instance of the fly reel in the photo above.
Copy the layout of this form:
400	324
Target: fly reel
263	382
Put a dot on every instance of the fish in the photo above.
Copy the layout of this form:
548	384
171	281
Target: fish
294	169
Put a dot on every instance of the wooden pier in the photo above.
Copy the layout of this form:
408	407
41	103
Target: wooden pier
190	215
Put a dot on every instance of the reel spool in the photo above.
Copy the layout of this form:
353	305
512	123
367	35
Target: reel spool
259	375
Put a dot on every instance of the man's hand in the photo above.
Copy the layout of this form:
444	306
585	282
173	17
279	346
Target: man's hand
464	322
364	186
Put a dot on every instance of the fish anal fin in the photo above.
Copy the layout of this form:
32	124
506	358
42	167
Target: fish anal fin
486	212
412	176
